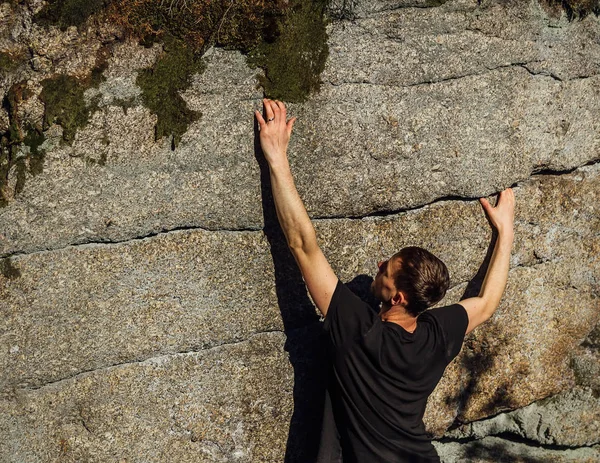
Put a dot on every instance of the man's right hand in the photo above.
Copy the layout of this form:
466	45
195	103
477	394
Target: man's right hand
501	216
275	132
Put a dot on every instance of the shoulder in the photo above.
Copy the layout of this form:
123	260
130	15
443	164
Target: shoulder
348	316
343	296
450	324
447	314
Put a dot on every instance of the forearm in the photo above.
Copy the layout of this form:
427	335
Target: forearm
293	218
496	276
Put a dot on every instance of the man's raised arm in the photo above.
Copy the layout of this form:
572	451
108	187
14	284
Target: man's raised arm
482	307
300	234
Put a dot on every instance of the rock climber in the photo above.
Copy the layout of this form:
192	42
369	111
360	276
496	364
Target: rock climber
384	364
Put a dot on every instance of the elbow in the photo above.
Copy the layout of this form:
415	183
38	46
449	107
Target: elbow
302	242
301	247
296	245
488	308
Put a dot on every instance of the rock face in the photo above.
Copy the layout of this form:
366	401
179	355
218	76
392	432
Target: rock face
151	310
569	418
493	449
222	404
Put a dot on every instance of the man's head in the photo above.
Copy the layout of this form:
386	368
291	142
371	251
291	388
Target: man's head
413	278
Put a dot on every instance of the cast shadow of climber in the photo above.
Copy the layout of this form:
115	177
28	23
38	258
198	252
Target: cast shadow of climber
305	341
479	356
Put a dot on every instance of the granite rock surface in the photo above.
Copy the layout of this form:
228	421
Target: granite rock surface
569	419
150	308
495	449
416	104
105	305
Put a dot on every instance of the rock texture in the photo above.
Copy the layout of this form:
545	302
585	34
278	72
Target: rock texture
150	310
465	99
220	405
102	305
569	419
494	449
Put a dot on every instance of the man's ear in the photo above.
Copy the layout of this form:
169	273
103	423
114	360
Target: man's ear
399	299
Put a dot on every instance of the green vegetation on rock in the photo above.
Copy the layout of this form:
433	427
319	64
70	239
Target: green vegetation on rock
65	13
293	62
64	104
161	85
286	38
11	158
9	61
239	24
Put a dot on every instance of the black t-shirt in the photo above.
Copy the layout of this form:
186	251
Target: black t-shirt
380	378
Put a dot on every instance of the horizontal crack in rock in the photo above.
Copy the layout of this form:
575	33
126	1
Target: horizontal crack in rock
522	65
108	242
554	76
546	171
509	437
556	172
149	359
226	343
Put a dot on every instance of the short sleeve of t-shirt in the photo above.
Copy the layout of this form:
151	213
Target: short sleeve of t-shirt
348	317
453	322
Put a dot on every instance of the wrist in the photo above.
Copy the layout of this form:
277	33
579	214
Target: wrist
280	164
506	235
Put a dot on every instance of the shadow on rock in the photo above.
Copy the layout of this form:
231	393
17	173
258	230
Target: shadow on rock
305	341
497	453
480	355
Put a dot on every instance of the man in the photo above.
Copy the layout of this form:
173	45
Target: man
386	364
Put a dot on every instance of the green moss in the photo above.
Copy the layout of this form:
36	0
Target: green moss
161	85
63	99
9	62
8	270
244	27
18	133
65	13
64	104
239	24
293	62
34	138
286	38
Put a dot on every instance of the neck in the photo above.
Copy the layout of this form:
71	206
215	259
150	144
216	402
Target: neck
398	315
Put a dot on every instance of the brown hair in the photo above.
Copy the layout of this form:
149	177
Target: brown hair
422	277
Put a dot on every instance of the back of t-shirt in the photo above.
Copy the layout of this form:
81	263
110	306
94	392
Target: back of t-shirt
381	377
